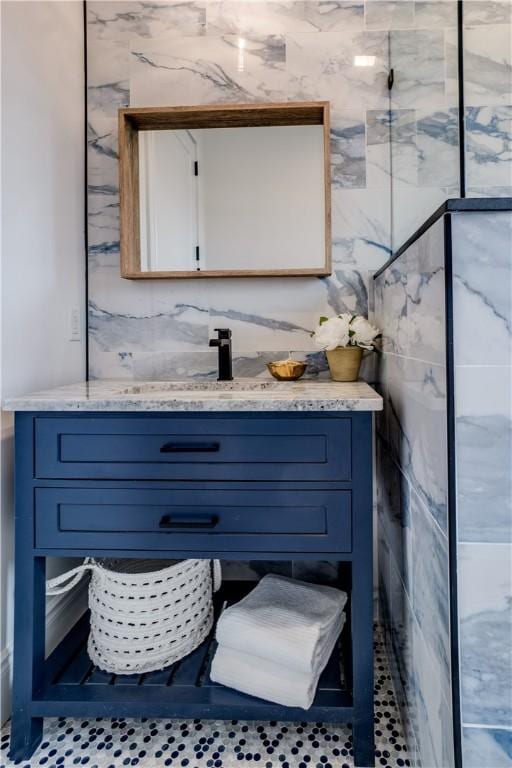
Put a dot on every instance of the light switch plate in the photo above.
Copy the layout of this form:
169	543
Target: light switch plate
75	331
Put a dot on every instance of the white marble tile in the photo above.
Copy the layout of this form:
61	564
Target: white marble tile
253	17
322	66
485	631
126	19
208	70
426	710
435	13
325	15
102	154
482	279
347	291
415	206
378	149
361	221
179	327
415	394
404	150
389	14
103	224
488	141
193	362
198	362
394	513
429	706
401	619
430	585
484	453
107	78
348	166
418	62
414	315
488	12
162	53
451	67
486	747
487	65
144	297
109	365
438	148
232	17
493	191
103	198
278	324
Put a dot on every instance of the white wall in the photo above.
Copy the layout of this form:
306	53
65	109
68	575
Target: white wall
42	273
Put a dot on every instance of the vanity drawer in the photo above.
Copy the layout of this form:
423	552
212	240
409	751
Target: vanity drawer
170	448
193	520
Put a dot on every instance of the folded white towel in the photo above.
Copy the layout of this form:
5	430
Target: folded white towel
270	680
283	620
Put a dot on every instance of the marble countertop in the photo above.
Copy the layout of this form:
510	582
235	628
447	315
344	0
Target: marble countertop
238	395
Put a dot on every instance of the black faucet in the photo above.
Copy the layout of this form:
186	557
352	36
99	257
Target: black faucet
223	343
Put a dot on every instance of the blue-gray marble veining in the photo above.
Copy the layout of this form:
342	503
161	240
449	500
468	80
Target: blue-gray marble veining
413	489
482	270
485	616
488	153
487	747
412	474
488	97
169	53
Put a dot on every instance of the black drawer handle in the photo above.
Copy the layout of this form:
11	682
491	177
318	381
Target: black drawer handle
190	447
166	522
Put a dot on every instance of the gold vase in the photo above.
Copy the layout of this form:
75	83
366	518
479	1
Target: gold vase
344	363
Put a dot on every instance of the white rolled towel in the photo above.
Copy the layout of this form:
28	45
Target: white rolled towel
271	680
283	620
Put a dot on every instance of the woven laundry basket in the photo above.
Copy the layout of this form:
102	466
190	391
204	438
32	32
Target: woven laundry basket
144	619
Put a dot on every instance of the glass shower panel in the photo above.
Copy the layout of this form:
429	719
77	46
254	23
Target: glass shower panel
423	120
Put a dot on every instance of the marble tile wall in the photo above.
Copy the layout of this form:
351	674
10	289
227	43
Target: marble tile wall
424	157
412	492
488	97
413	484
171	52
482	298
420	145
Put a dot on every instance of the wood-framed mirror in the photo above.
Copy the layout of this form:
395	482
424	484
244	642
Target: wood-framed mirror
230	190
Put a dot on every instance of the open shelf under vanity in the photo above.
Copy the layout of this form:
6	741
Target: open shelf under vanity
184	688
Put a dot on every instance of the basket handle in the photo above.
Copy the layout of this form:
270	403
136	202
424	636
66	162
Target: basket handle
58	585
217	575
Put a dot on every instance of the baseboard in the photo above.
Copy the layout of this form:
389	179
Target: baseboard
62	612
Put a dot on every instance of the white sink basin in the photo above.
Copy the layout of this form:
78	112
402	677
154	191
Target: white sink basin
237	385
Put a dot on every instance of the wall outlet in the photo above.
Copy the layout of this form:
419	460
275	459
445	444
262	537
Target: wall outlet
75	330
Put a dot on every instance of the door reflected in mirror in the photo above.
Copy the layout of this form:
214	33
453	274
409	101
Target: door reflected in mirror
232	190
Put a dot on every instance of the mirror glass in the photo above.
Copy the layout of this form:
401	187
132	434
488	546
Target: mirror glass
228	199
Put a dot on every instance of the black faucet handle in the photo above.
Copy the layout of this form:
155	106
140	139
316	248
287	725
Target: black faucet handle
224	333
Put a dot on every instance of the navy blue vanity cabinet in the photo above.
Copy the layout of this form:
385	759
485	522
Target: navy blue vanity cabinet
239	486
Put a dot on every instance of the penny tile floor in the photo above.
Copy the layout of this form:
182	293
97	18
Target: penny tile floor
115	743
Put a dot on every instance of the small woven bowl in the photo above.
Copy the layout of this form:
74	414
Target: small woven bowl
287	370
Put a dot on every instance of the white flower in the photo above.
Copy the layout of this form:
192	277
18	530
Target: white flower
364	333
333	333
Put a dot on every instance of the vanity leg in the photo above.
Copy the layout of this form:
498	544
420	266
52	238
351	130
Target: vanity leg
29	646
362	671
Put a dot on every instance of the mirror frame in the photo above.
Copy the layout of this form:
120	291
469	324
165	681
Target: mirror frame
135	119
